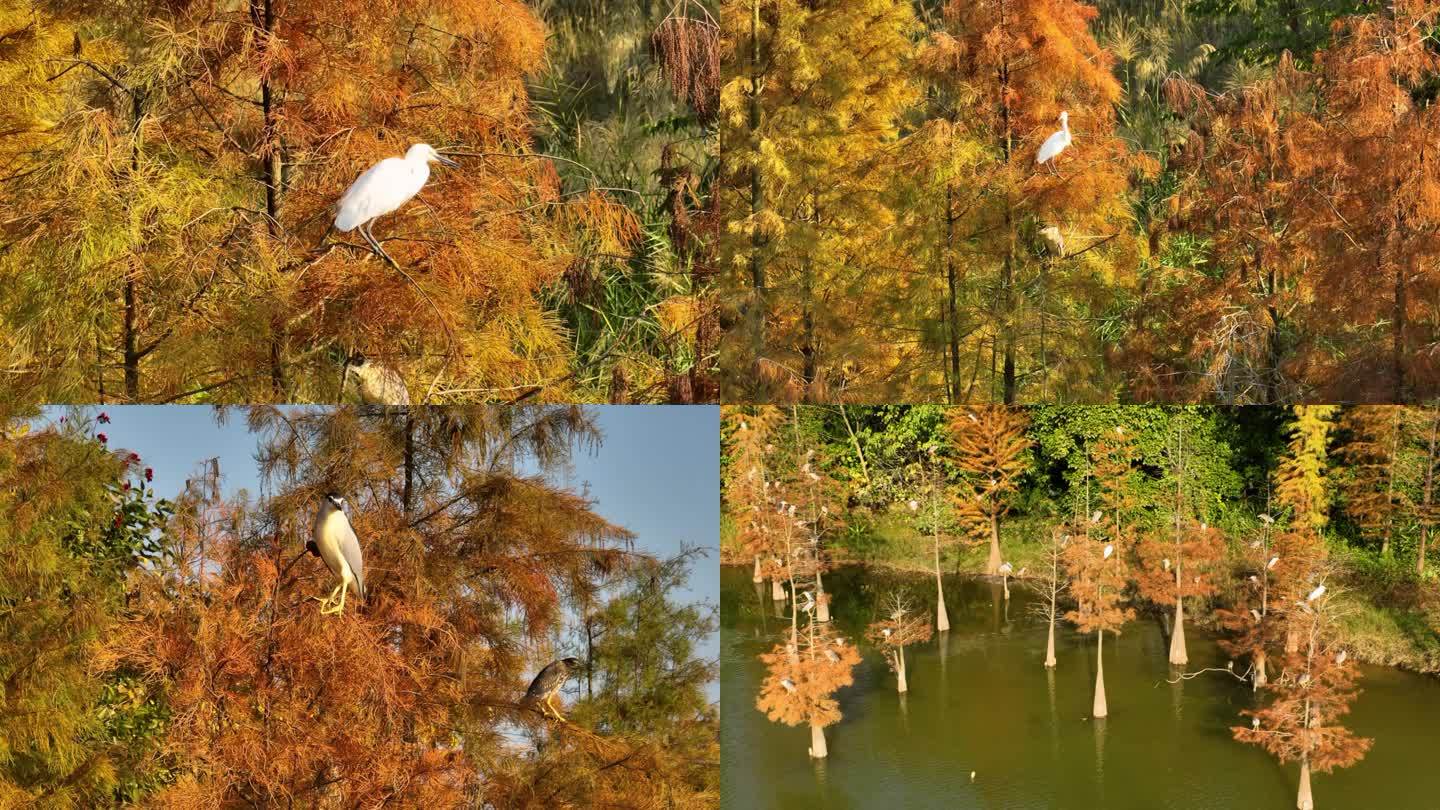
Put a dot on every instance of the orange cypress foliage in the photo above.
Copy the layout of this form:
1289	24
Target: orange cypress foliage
1254	622
1009	68
1301	721
901	627
1097	574
802	677
1370	454
990	448
413	694
750	490
1381	274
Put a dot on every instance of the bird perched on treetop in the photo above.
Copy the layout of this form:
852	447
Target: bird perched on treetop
385	187
336	544
548	683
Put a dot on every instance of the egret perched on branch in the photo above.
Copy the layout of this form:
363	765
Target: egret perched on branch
385	187
1272	562
548	683
1109	549
1316	594
788	684
1056	143
336	544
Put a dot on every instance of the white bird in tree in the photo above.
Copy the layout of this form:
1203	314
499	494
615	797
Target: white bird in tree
1056	143
1272	562
1109	549
1316	594
788	684
1340	659
335	543
385	187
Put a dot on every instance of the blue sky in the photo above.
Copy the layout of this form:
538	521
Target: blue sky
657	471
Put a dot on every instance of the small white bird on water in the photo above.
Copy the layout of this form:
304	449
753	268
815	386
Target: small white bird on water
385	187
1056	143
335	543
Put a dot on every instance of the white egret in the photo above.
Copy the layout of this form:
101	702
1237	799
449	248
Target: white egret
1166	563
886	632
1056	143
1267	519
1095	518
788	684
1340	659
1316	594
1255	613
972	418
1109	549
385	187
914	505
1006	568
1272	562
1255	723
832	656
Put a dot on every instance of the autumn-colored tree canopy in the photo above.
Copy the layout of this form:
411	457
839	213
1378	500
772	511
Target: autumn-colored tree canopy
1239	211
172	171
196	670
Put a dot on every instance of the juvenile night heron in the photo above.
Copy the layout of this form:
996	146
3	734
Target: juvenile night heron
548	683
374	383
336	544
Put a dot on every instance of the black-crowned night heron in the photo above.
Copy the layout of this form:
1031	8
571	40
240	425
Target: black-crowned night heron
335	543
548	683
374	383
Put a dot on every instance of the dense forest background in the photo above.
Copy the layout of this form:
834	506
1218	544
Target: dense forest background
1246	213
168	651
1365	473
170	168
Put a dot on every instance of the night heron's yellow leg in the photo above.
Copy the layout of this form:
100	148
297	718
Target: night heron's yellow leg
329	608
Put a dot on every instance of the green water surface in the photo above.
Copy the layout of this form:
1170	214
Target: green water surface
981	700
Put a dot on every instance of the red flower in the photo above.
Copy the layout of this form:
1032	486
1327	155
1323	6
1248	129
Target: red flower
117	521
134	458
149	474
125	486
104	418
102	437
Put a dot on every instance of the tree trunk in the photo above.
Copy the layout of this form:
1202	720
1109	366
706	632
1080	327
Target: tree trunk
1304	801
1429	482
992	567
822	604
942	621
777	591
1099	710
900	684
1050	644
1259	678
756	577
757	194
262	15
952	303
1178	656
817	742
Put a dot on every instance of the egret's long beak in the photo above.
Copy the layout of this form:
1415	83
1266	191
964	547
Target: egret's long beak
447	161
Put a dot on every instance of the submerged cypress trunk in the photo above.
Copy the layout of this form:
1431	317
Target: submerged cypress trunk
1099	709
992	566
900	685
817	742
1050	644
1259	679
1304	801
1178	656
777	591
756	577
822	607
942	621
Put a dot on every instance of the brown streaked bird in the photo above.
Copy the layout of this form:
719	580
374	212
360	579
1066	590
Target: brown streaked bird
548	683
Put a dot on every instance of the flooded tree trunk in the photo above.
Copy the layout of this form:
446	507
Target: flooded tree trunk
777	591
942	621
817	742
1099	709
1178	656
1304	801
900	685
1259	679
992	567
822	606
1050	645
756	577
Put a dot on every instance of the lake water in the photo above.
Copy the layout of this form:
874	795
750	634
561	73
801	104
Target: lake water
981	700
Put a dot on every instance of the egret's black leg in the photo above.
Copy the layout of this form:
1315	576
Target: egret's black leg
375	243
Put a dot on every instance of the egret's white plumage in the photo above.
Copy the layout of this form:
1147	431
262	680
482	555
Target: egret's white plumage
1006	568
337	545
1053	240
1109	549
385	187
1316	594
1056	143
